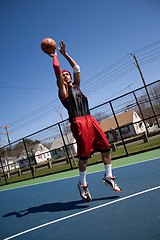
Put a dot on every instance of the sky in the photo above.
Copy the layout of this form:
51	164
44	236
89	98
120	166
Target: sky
99	35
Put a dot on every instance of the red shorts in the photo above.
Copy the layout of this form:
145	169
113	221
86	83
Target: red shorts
89	136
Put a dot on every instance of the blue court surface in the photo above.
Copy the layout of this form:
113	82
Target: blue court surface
54	210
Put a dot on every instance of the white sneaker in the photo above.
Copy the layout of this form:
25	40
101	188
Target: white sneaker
84	192
111	182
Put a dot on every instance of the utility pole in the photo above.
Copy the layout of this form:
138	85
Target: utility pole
7	133
144	83
140	111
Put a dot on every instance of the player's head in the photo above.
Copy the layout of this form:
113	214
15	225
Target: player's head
66	76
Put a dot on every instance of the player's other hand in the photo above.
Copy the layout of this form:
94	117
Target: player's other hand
62	48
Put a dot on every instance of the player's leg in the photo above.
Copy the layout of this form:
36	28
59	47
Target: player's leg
106	158
101	143
109	179
83	185
82	171
82	132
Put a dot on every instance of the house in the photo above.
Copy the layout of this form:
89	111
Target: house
130	123
58	149
153	127
9	163
38	153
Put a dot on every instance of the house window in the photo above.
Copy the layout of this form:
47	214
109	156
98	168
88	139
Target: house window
125	130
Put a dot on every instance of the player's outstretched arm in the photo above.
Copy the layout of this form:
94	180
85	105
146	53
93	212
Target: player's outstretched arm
74	65
58	73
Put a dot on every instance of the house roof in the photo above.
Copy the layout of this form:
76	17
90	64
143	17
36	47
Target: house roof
123	119
58	142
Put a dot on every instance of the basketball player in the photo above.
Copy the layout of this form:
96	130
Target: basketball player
86	130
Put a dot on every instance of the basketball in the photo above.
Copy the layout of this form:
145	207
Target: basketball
48	45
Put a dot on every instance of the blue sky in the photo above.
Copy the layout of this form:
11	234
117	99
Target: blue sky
97	35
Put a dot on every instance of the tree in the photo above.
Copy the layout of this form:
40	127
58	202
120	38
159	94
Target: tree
99	116
66	129
146	106
19	147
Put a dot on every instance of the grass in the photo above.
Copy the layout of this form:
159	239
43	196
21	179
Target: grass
38	173
144	146
134	148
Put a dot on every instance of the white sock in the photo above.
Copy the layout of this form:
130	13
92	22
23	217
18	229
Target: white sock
82	178
108	170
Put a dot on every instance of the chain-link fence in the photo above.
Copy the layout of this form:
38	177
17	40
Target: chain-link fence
131	123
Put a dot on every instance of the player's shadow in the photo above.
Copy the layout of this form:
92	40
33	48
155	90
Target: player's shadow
56	207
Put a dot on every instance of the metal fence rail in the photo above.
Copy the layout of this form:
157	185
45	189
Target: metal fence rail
53	149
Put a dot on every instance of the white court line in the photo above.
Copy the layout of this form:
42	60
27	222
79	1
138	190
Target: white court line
35	184
82	212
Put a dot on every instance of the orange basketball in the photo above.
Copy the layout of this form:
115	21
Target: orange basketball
48	45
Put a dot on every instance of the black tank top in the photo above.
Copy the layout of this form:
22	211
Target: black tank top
75	102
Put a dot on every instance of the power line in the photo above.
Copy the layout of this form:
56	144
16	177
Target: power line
107	76
147	47
117	93
150	60
145	53
114	78
127	57
119	69
27	88
107	69
108	72
40	110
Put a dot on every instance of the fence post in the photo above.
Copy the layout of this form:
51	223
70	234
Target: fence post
118	127
65	145
28	158
4	174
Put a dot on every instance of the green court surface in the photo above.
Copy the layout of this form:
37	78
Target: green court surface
90	169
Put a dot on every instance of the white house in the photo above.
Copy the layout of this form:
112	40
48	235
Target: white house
131	124
9	163
38	153
57	148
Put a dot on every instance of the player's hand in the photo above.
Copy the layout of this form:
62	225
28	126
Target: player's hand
62	48
52	54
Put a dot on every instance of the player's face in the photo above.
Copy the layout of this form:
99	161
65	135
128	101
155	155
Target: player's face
66	77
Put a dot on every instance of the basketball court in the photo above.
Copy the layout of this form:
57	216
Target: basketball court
54	209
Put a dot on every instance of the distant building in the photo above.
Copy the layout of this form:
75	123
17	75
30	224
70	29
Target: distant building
9	163
38	153
131	124
57	148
